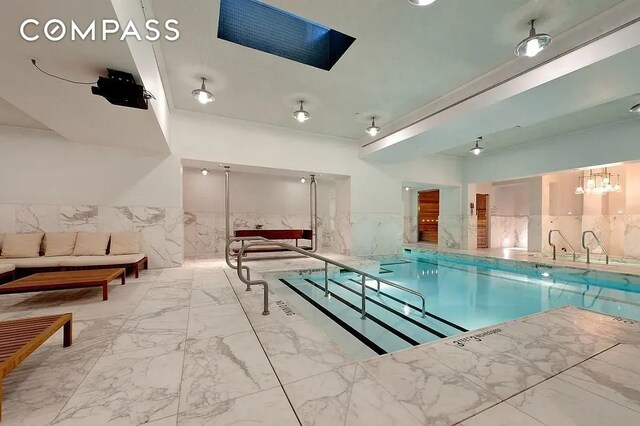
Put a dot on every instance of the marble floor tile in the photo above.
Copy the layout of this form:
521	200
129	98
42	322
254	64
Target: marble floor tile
160	315
299	349
556	402
36	391
213	296
608	381
502	414
432	392
266	408
548	356
217	369
133	338
372	404
500	373
168	293
167	421
216	321
127	389
323	399
624	356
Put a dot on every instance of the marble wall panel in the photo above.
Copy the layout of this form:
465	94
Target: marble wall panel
78	218
115	219
376	234
37	218
410	235
450	229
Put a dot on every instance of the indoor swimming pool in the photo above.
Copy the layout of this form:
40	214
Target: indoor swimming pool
459	297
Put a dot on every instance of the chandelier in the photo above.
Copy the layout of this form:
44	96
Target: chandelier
597	183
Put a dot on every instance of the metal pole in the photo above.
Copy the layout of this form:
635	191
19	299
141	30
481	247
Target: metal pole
326	279
378	287
313	210
588	256
364	298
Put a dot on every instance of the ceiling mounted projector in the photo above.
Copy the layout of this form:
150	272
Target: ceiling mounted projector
120	88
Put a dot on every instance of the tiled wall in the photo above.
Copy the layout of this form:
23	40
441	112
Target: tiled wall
205	231
161	229
509	231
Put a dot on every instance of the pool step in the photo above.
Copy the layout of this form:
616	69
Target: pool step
347	315
390	324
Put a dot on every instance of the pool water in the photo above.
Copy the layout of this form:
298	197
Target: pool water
477	296
458	297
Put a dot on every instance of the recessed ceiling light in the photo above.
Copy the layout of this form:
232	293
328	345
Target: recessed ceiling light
373	130
300	114
421	2
204	172
476	150
635	108
533	44
303	180
406	188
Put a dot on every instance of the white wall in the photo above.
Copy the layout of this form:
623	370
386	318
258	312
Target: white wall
374	191
41	167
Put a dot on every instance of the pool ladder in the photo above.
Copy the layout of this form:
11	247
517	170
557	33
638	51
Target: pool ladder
565	240
584	246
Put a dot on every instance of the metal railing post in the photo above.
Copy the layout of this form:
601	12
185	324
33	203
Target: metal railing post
378	287
364	298
326	279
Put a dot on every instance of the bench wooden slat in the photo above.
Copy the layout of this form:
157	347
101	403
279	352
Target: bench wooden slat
34	333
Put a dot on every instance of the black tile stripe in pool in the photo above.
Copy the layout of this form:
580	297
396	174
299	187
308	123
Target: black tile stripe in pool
406	318
364	339
368	315
427	313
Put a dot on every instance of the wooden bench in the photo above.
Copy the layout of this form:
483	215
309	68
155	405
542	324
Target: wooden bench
66	280
274	234
19	338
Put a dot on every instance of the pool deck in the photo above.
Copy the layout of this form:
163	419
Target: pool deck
189	346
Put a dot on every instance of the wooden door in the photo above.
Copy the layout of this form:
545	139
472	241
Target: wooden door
482	201
428	212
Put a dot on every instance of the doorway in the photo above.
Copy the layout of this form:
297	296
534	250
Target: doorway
482	201
428	212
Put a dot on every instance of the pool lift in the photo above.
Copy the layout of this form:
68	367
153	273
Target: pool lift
261	241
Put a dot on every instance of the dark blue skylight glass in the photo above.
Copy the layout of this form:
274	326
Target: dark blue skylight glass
263	27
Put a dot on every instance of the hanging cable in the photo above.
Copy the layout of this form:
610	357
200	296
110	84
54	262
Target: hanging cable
33	61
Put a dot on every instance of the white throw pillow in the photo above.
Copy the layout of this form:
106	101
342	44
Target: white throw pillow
91	244
21	245
125	243
59	243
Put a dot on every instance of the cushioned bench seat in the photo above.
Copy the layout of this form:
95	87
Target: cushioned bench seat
7	272
119	259
35	262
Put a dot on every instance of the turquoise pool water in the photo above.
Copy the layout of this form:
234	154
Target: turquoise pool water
475	296
460	294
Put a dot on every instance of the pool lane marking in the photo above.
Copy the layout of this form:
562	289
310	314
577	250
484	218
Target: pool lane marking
434	316
364	339
393	311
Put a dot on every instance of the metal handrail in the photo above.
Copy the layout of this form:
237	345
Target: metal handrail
606	253
326	261
565	240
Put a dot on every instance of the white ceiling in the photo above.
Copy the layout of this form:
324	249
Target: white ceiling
68	109
606	113
403	58
12	116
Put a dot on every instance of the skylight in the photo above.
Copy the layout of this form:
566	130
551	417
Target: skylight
260	26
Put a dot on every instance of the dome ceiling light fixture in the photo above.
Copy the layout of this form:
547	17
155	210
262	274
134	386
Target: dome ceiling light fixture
300	114
635	109
373	130
476	150
202	95
421	2
533	44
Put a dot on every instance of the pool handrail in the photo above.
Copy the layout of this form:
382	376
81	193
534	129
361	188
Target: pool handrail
258	241
584	246
565	240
